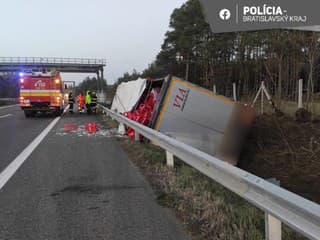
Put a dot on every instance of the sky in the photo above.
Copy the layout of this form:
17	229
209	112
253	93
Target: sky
128	34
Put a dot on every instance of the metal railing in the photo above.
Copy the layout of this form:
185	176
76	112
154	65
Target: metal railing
278	204
9	99
51	60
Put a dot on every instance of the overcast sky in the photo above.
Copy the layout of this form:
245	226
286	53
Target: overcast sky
128	34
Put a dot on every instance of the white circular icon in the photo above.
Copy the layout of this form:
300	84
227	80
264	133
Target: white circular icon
225	14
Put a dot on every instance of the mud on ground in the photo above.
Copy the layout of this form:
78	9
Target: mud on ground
282	148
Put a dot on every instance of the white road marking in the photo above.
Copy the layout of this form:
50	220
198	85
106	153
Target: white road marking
4	107
66	109
7	115
10	170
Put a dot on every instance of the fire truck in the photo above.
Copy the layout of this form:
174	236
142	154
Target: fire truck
41	92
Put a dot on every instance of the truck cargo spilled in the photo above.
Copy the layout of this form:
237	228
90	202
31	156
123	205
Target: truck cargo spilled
196	116
87	130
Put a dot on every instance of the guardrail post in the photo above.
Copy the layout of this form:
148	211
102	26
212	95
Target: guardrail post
136	135
170	159
234	88
262	102
272	227
300	86
121	129
214	89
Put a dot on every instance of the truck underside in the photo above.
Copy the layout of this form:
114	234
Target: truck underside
43	107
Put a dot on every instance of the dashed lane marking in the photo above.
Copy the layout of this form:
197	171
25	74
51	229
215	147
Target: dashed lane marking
4	116
9	106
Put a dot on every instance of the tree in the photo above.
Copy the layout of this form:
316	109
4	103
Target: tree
89	84
279	57
129	77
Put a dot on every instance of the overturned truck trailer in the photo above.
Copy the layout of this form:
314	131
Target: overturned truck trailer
196	116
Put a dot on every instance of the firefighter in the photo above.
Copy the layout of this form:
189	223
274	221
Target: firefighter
94	101
81	102
94	98
71	102
88	102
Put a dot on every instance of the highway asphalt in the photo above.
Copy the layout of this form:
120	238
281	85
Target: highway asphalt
16	132
75	185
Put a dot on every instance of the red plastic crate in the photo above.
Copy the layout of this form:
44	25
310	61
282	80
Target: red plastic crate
91	127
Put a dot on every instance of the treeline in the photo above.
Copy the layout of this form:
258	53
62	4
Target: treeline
90	84
279	57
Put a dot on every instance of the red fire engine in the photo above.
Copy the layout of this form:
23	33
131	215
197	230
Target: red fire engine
41	92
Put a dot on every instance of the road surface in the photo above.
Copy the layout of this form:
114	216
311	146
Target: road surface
75	185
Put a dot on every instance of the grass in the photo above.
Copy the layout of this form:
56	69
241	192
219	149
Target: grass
206	208
110	123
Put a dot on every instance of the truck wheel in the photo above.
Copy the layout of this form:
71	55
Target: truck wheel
28	113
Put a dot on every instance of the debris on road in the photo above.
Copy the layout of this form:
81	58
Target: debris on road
69	127
87	130
91	127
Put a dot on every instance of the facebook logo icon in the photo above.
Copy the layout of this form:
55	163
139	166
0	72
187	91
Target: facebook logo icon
225	14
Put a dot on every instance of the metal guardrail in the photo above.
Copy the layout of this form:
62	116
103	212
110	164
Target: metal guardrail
50	60
278	204
9	99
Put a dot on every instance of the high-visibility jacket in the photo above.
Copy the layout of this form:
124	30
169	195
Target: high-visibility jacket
88	98
81	99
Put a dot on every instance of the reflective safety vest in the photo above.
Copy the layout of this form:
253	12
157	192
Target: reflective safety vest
81	99
88	98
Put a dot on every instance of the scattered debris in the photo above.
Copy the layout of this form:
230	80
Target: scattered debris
88	131
91	127
69	127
